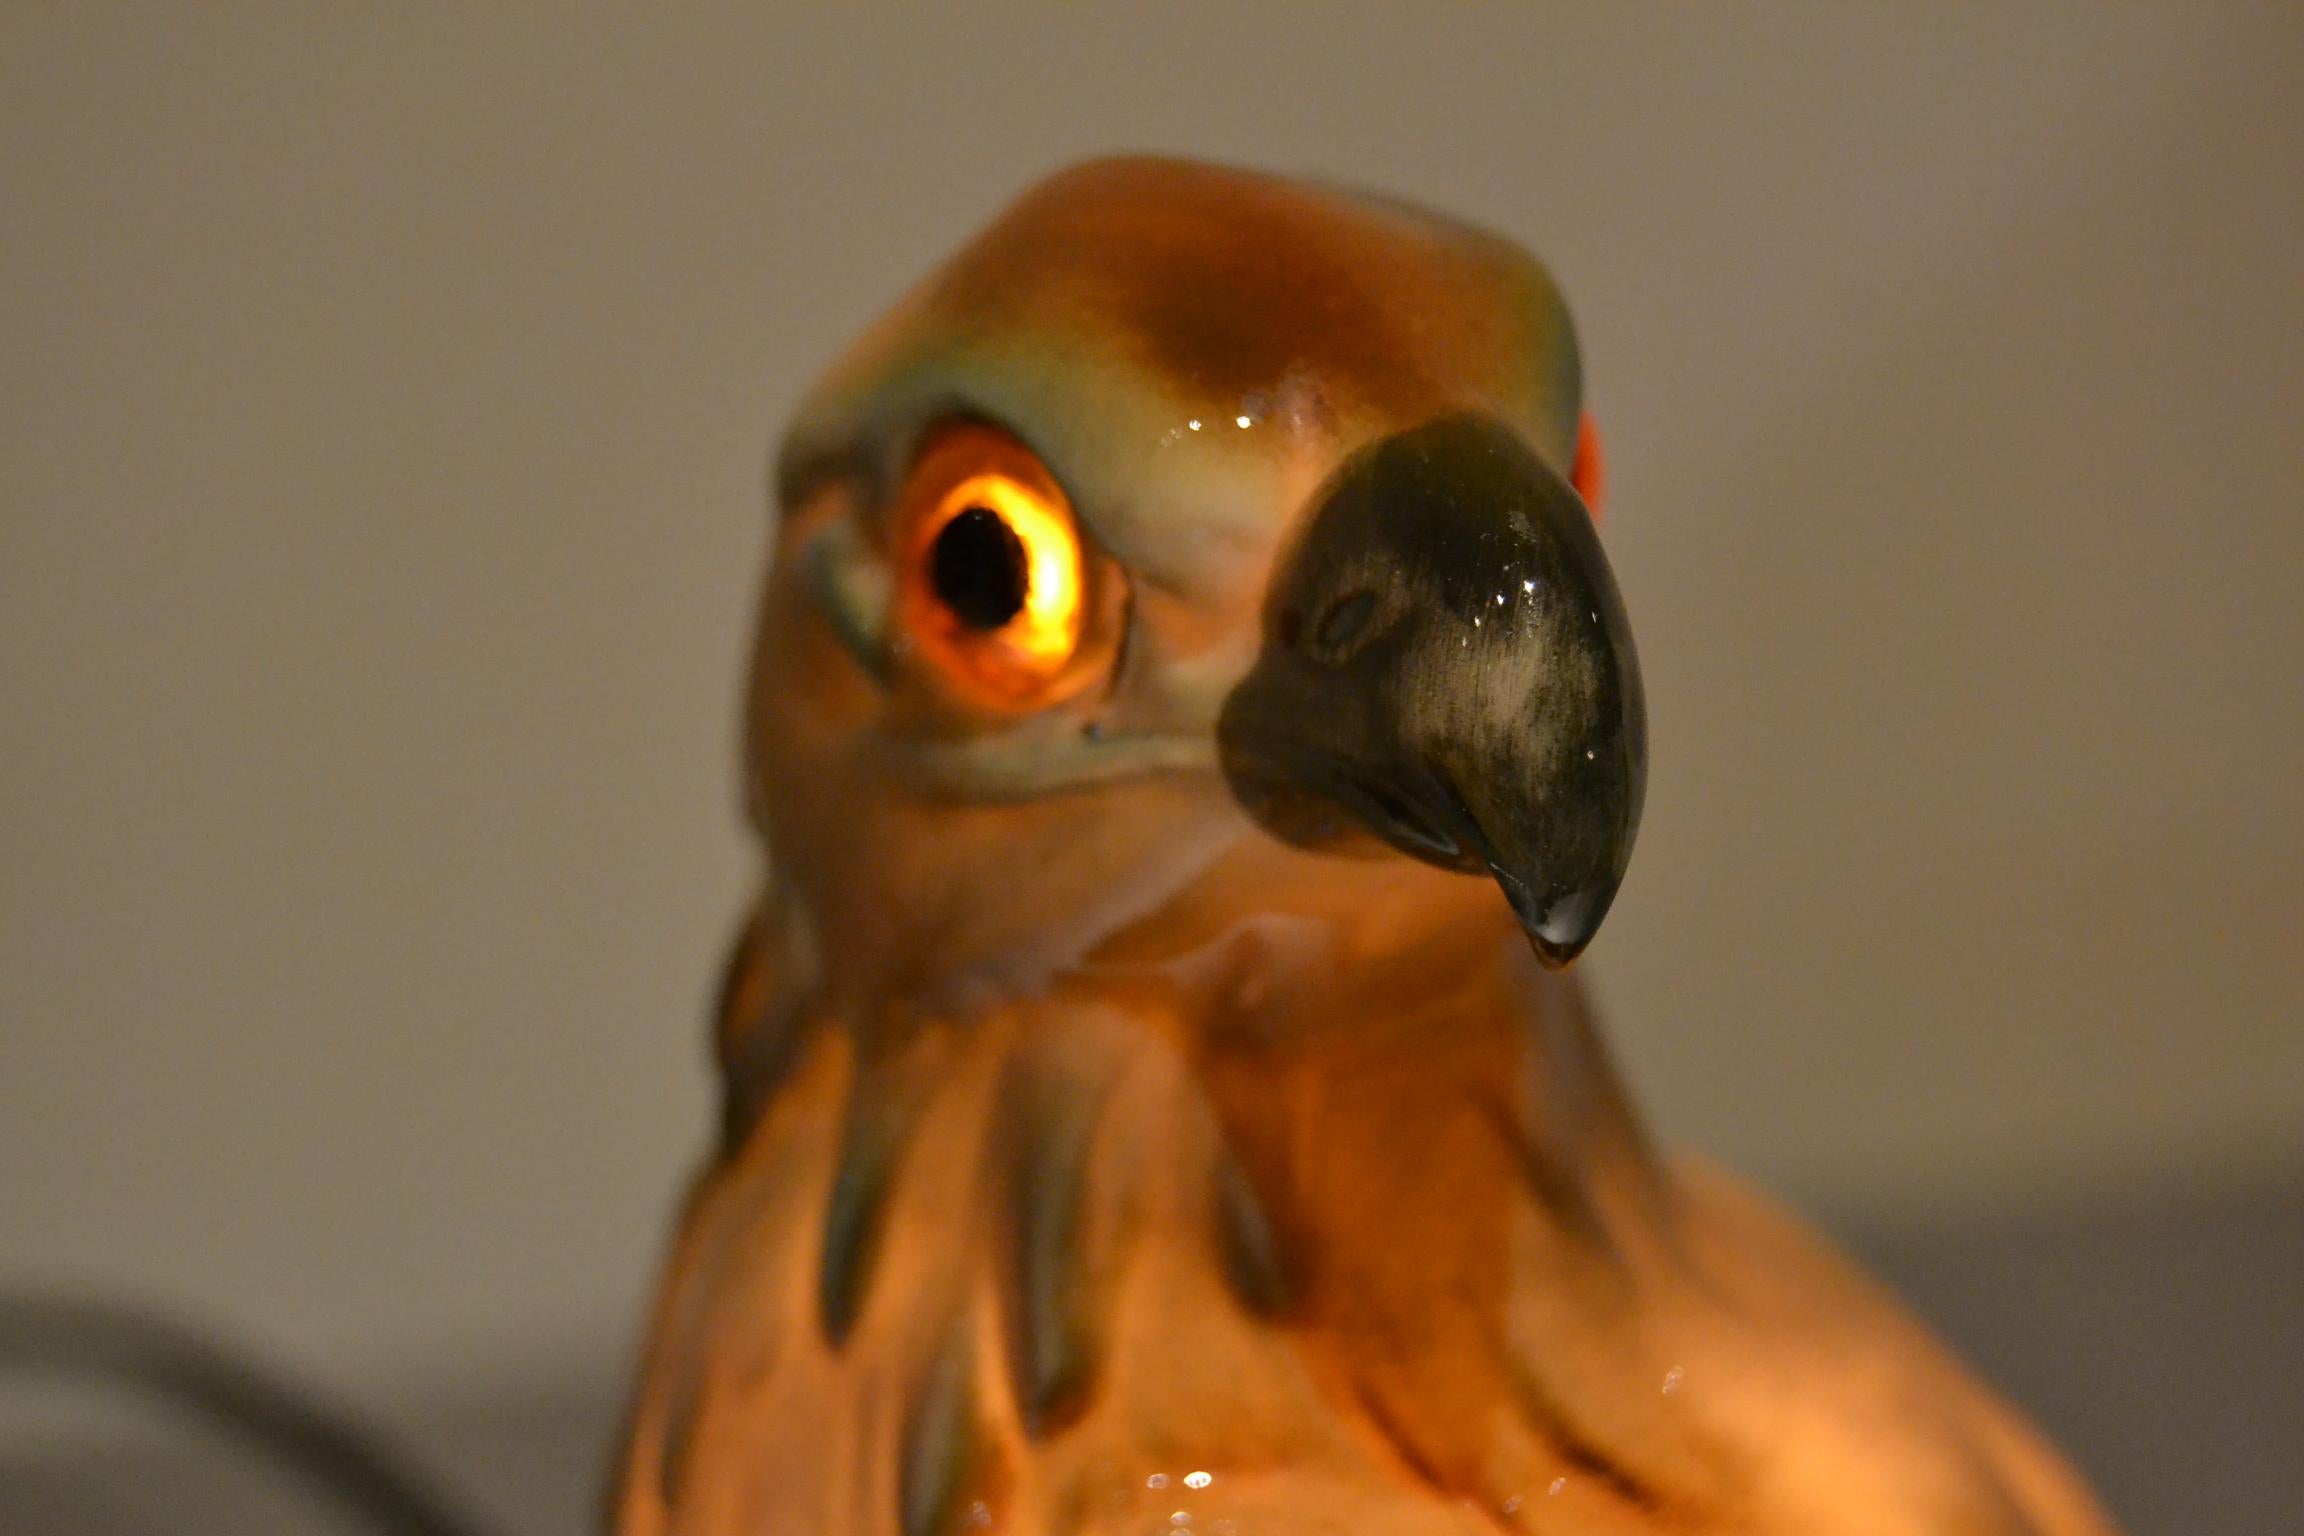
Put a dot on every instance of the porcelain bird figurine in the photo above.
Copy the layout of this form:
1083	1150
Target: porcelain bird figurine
1193	722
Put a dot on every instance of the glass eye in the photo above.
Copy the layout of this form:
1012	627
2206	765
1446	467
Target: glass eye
994	576
979	569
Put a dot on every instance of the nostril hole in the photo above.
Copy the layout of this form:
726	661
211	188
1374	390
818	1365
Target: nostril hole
1344	622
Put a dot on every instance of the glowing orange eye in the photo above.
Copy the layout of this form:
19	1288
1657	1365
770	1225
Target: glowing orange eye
994	576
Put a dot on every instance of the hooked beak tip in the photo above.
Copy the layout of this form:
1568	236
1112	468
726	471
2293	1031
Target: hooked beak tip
1558	928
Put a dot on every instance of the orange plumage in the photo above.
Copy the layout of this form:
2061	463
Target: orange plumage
1121	1134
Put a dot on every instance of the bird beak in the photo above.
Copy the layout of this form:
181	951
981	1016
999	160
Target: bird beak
1446	664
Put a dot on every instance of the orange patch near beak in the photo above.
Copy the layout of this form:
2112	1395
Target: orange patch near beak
1585	474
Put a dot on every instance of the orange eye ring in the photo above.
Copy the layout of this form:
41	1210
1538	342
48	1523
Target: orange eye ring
994	579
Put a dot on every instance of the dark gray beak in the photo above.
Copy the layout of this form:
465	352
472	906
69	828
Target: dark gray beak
1446	664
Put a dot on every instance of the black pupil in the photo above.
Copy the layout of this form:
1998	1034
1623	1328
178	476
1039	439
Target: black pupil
977	567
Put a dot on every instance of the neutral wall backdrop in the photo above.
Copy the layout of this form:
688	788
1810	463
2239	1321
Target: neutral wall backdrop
384	407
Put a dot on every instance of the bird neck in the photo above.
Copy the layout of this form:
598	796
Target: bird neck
1362	1110
1395	1082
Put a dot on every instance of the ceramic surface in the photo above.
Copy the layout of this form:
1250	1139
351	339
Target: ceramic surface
1193	725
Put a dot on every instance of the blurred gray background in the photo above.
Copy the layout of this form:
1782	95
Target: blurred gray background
384	407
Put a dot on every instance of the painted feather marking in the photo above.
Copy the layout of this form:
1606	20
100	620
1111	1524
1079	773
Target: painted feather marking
943	1440
883	1108
760	1015
1050	1104
1247	1241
